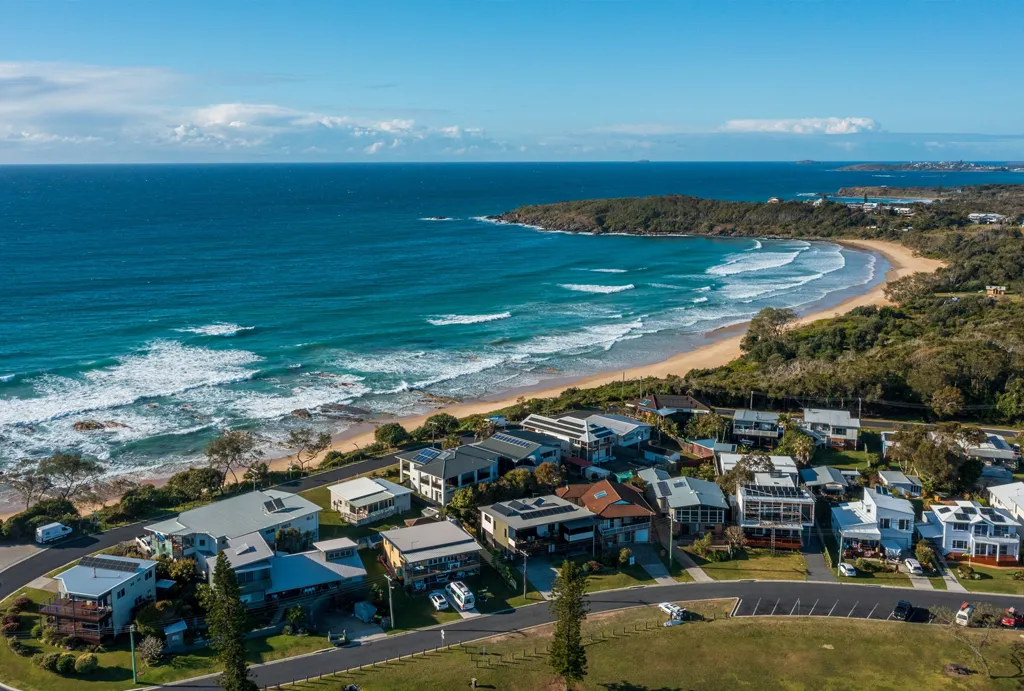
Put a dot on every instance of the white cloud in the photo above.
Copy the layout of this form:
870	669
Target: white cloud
851	125
643	129
373	148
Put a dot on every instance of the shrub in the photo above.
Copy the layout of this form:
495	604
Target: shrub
595	566
86	664
50	635
1017	575
296	616
37	631
18	648
9	618
10	628
66	664
624	555
288	630
151	649
48	661
702	546
22	601
925	554
391	434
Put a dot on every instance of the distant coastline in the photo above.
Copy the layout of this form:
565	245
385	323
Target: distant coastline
937	166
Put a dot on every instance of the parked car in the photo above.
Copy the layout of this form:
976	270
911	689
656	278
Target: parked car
673	610
51	531
438	600
963	615
1012	618
847	570
913	566
902	611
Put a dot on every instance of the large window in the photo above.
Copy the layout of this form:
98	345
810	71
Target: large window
961	526
700	514
884	523
959	544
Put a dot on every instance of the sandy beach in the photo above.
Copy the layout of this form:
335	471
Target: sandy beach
902	260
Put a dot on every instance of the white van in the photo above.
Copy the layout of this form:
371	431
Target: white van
50	532
460	595
963	616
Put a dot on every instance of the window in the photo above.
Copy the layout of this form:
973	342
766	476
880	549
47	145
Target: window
149	574
884	523
904	524
960	526
981	529
202	542
120	593
959	545
309	517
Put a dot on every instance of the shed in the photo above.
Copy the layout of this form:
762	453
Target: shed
174	635
364	611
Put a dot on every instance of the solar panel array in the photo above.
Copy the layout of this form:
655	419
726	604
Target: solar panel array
663	488
109	564
774	491
273	505
553	511
426	455
509	439
992	515
501	509
961	516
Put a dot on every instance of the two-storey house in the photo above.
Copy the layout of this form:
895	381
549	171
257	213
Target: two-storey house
624	516
834	428
968	530
581	438
430	554
522	448
880	525
546	524
774	512
756	427
437	474
694	507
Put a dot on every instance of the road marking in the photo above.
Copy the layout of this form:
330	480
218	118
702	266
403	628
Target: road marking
853	608
833	609
872	610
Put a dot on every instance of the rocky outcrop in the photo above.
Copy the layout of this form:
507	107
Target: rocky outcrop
302	413
96	425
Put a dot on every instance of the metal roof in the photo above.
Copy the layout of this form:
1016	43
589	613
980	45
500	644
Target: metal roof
363	487
568	427
681	492
887	501
529	513
236	516
247	549
784	464
430	536
823	475
89	581
834	418
307	569
454	462
756	416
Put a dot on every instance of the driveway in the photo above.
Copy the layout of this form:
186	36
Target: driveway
817	568
647	557
541	573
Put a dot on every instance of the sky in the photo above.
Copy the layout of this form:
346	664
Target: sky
473	80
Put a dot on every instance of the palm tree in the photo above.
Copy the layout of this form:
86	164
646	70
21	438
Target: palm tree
803	447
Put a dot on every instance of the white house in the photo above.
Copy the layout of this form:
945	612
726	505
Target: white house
367	500
99	596
756	426
880	524
774	512
979	533
781	464
584	439
835	428
995	450
628	432
1009	498
436	475
907	485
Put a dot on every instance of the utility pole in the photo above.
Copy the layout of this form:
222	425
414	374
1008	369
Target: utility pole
391	605
523	552
751	399
671	525
131	636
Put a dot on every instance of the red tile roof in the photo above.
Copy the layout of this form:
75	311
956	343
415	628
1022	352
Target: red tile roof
616	500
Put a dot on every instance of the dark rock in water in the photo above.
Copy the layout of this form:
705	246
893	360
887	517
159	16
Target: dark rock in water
302	413
88	426
343	409
114	424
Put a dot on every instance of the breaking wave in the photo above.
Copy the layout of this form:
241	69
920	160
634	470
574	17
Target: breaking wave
584	288
448	319
217	329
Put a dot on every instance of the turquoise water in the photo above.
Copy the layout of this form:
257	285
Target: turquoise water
179	300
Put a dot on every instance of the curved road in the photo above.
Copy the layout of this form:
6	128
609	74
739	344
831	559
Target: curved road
783	598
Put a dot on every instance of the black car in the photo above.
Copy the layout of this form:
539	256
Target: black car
902	611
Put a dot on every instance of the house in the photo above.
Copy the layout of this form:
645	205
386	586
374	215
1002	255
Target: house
834	428
522	448
1009	498
583	439
628	432
624	517
437	474
756	427
995	290
966	529
430	554
994	475
986	218
781	464
546	524
825	480
880	525
97	598
774	512
774	200
367	500
202	532
672	406
706	449
907	485
695	507
995	450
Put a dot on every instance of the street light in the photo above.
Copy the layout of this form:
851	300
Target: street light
391	604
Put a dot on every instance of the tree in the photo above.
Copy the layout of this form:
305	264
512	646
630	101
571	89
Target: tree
568	657
232	451
27	481
735	537
463	505
441	425
451	441
391	434
1011	401
743	472
182	570
548	475
707	426
258	474
803	448
69	475
195	483
766	333
227	627
947	401
925	554
293	540
307	445
483	428
151	649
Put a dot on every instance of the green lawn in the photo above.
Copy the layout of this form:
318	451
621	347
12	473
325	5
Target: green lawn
993	580
878	578
938	582
115	672
331	525
795	654
610	578
412	611
757	564
675	569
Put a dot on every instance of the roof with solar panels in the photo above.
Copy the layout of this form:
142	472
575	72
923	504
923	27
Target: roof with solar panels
518	444
247	513
448	463
529	513
97	576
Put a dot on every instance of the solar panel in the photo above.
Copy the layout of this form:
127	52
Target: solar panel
663	488
269	506
969	510
278	504
960	516
774	491
109	564
509	439
499	509
426	455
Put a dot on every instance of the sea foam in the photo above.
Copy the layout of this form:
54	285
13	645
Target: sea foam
217	329
743	263
449	319
584	288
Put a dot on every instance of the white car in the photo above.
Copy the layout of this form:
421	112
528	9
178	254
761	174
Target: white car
674	611
439	601
847	570
914	567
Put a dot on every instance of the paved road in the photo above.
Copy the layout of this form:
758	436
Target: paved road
47	560
759	598
874	423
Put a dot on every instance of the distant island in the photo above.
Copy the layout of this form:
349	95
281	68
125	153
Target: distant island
819	217
939	166
807	162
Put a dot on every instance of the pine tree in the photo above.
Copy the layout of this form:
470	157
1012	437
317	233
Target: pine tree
227	620
568	657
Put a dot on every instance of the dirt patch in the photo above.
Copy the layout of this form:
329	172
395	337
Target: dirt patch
955	670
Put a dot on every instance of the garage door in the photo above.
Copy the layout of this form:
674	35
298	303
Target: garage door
641	536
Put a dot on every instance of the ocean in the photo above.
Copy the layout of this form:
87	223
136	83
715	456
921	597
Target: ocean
174	301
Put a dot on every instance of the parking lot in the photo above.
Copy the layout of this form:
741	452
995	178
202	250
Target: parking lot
843	608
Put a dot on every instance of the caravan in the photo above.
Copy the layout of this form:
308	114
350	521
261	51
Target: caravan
461	595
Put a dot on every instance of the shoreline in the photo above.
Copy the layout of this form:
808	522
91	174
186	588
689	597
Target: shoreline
902	262
722	346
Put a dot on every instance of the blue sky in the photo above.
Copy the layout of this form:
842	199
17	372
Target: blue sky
123	80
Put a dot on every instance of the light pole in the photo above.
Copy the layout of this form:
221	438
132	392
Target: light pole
523	552
391	603
131	637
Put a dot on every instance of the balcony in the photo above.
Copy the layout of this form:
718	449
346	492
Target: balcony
89	635
627	528
779	542
76	611
753	432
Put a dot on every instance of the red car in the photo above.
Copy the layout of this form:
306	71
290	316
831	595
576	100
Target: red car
1013	619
